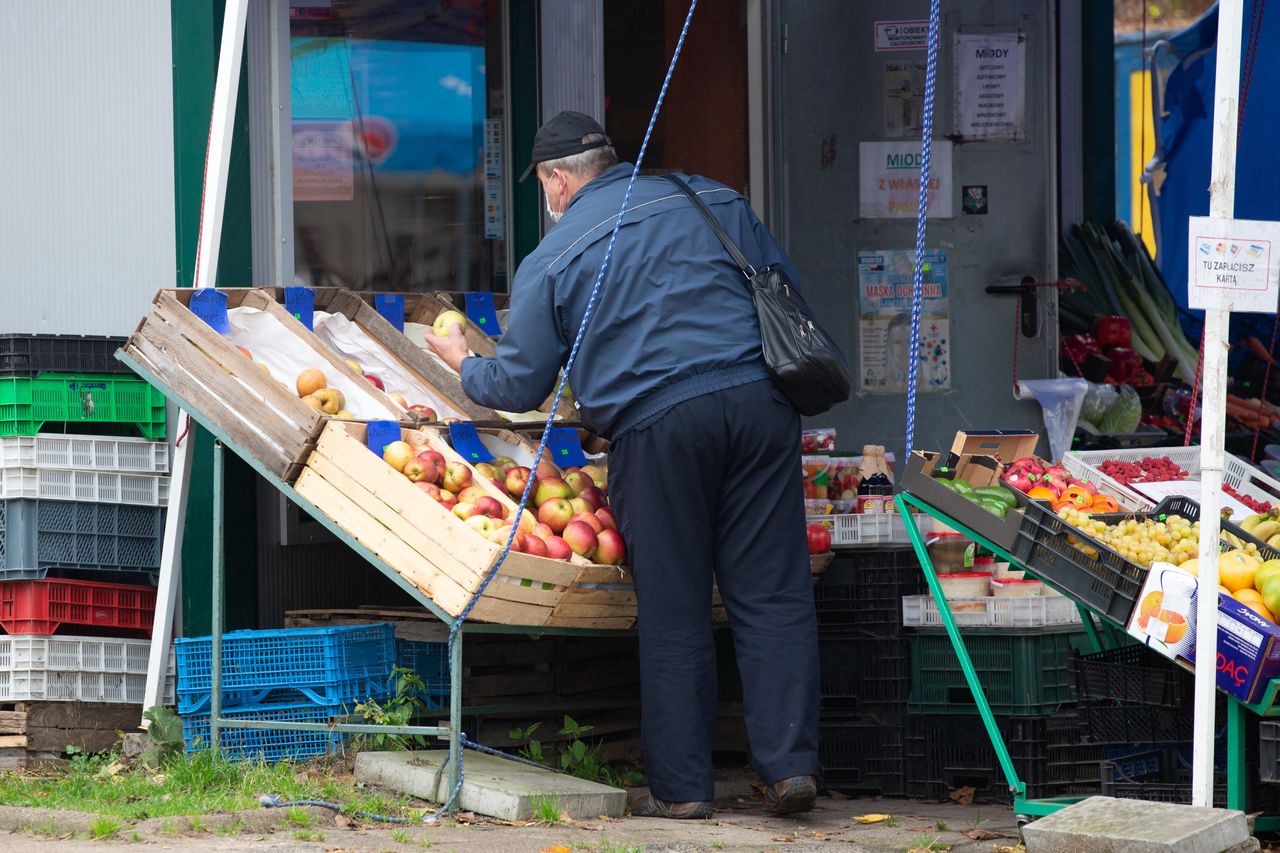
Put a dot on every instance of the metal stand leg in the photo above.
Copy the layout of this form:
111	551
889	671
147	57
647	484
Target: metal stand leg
215	698
455	716
1237	780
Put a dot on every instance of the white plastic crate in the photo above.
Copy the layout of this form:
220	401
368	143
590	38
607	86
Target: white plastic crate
876	528
90	452
85	669
1037	611
1238	474
95	486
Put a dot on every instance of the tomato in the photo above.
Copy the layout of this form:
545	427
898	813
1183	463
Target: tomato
819	538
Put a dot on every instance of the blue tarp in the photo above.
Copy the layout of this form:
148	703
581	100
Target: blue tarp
1178	178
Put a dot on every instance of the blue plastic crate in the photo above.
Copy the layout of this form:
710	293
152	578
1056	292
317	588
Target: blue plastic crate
40	534
431	662
268	744
321	665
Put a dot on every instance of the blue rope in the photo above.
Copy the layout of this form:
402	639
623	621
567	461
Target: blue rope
564	378
917	282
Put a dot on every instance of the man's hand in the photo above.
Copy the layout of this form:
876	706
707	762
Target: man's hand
452	348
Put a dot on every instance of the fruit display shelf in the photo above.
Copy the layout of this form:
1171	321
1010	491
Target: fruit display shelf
374	334
219	384
440	554
1237	473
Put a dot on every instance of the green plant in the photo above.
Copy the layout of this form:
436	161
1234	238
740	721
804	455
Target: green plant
891	820
104	827
546	810
297	817
625	847
941	826
400	836
232	828
308	835
716	845
925	844
577	758
165	734
198	825
405	704
532	750
135	837
81	762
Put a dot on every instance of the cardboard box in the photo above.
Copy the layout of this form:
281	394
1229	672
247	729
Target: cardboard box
924	469
1165	620
1004	445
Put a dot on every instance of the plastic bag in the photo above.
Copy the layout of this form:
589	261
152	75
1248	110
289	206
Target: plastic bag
1097	400
1124	415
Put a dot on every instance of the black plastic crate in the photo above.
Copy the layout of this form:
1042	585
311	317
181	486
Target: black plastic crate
863	755
860	593
864	675
1116	724
28	355
1131	674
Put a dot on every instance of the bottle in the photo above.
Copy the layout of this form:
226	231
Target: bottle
875	488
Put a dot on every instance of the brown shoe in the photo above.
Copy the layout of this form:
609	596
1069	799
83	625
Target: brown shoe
792	795
647	805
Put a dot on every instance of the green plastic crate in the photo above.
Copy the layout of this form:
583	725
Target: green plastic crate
1022	673
29	403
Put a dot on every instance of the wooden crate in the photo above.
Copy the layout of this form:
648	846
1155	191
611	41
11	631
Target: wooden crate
227	391
436	378
440	554
33	734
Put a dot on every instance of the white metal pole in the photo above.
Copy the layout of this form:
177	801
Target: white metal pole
212	206
1222	204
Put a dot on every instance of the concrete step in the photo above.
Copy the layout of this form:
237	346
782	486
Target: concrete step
1107	825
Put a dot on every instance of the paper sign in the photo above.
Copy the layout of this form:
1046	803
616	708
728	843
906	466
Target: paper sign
210	305
323	161
902	35
889	180
1233	264
301	303
466	441
480	310
990	87
566	450
903	98
391	307
380	434
884	321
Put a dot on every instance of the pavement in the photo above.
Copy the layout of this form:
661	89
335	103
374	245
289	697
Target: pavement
740	824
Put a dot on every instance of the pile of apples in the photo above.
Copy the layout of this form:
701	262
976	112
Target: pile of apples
312	387
424	413
572	510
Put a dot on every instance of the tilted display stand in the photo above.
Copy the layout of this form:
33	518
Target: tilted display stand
1103	633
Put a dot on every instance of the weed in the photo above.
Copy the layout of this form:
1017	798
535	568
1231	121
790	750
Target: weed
165	736
233	828
297	817
135	837
169	827
308	835
577	758
404	704
401	836
198	824
104	827
546	810
941	826
624	847
717	845
925	844
891	820
978	821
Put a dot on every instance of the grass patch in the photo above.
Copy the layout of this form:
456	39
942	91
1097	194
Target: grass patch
941	826
187	785
104	827
135	838
308	835
716	845
546	810
198	824
891	820
625	847
297	817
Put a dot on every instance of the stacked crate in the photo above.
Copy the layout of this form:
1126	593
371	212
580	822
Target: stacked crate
315	675
865	660
83	487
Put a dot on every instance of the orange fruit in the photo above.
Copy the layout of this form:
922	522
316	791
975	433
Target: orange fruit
1043	493
1252	599
1149	607
1236	570
1177	626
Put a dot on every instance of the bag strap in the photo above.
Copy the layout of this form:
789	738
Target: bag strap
738	258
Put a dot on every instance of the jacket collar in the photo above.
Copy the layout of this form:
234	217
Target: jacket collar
621	171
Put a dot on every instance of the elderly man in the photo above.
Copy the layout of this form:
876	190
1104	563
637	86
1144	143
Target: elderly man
704	463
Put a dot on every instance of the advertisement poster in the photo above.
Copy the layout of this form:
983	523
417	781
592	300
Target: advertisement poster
904	98
991	76
884	321
889	180
323	165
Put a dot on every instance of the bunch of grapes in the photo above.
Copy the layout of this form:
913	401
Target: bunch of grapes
1174	539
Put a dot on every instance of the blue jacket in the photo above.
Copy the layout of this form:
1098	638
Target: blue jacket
674	319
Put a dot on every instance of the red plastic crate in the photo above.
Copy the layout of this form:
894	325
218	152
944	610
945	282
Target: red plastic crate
42	606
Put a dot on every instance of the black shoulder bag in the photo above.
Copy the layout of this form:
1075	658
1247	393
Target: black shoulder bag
806	365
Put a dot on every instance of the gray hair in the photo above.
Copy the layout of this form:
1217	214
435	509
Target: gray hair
584	164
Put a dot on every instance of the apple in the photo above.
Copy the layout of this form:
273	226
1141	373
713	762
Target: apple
344	415
432	490
418	472
594	496
445	321
375	381
596	473
589	519
577	481
534	546
547	471
515	481
332	399
611	550
558	549
582	506
436	458
1029	464
527	522
314	402
550	488
499	532
472	493
310	381
457	476
491	507
244	351
354	365
605	514
504	463
486	469
446	495
465	510
425	413
397	454
555	513
448	504
398	398
263	368
581	538
542	531
482	524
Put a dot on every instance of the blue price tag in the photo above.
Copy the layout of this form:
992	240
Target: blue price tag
480	311
390	306
210	305
301	303
566	450
466	441
382	433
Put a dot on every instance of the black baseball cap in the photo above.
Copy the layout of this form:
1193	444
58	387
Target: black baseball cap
563	136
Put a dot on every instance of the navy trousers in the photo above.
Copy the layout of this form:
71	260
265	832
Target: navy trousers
714	487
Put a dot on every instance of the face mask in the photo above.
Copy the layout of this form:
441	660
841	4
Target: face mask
555	217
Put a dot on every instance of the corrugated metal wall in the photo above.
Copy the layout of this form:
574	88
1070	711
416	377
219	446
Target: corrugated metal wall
86	164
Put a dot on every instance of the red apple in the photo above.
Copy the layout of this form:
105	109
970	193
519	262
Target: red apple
482	524
425	413
558	549
473	493
596	473
550	488
465	510
555	513
491	507
375	382
245	352
527	522
819	538
448	503
582	505
446	495
542	531
457	476
435	457
515	481
588	518
605	514
581	538
418	472
578	481
535	546
498	533
594	495
612	550
504	463
547	471
432	490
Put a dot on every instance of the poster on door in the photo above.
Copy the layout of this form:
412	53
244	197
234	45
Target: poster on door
323	161
903	98
889	180
885	279
990	97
